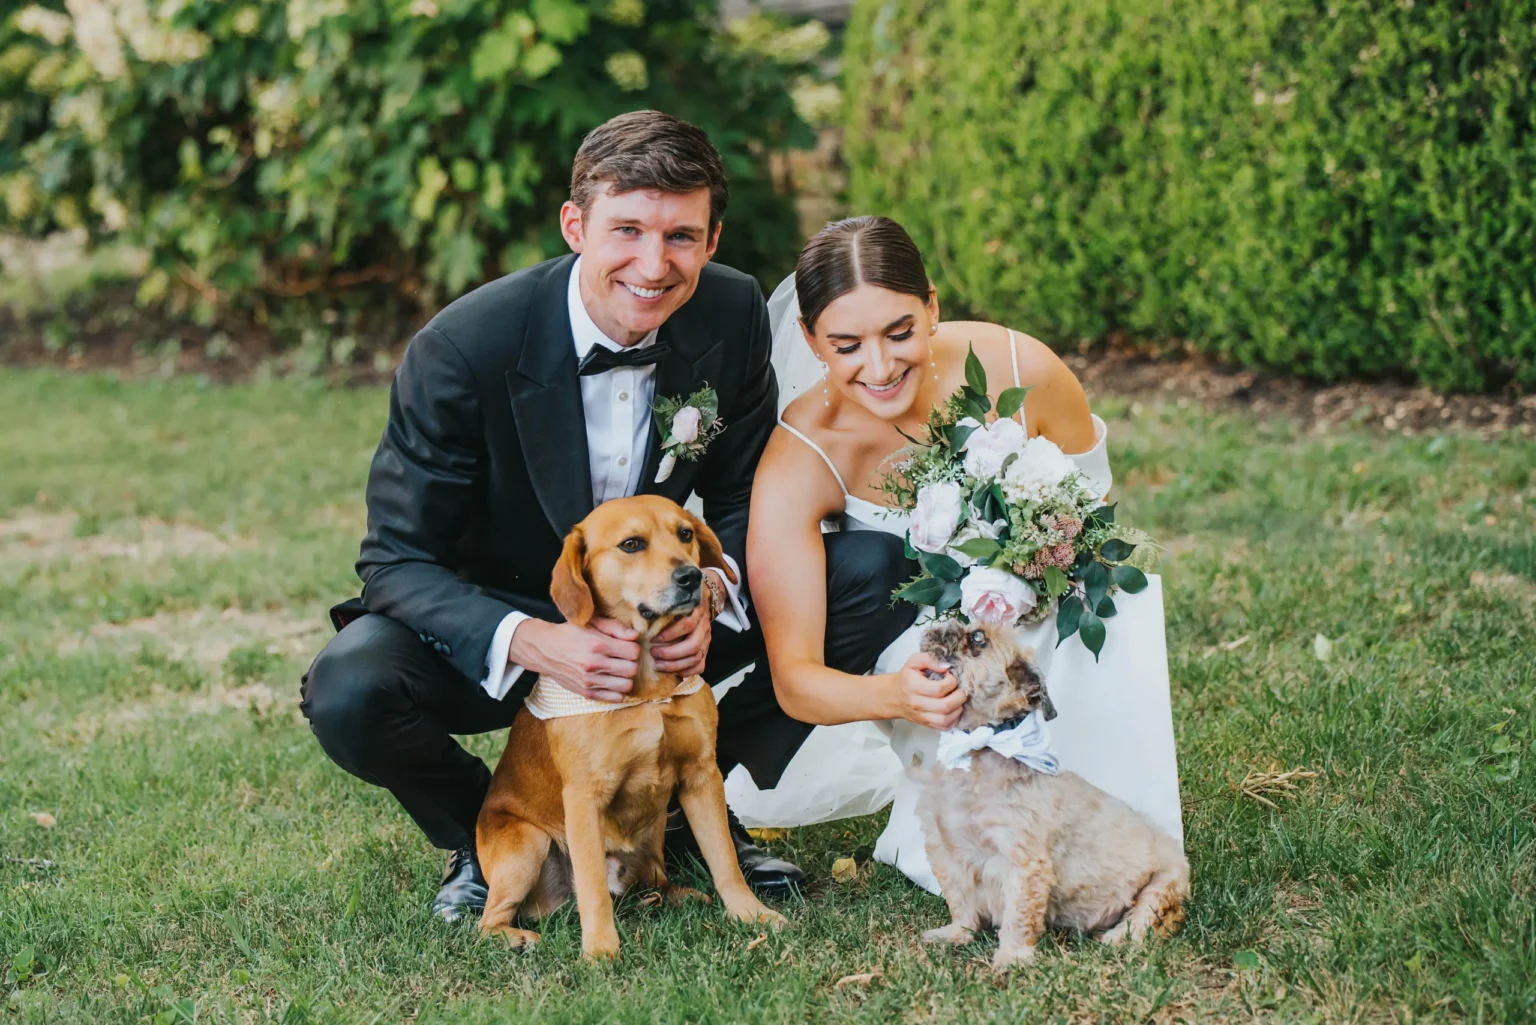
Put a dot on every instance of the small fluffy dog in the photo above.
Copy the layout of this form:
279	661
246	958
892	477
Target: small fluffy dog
1019	850
579	801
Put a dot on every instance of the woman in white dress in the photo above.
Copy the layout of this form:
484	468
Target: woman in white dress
862	358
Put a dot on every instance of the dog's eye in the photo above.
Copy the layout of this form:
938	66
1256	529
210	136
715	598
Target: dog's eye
632	545
685	534
978	639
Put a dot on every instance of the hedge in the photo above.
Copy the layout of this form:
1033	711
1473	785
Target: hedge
1327	187
272	149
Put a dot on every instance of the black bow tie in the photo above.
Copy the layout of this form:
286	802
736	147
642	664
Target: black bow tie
601	360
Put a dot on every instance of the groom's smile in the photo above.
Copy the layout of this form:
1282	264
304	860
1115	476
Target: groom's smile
641	256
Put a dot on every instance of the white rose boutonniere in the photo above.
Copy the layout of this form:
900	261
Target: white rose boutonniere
687	426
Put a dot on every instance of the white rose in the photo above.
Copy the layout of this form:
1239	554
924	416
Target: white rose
939	507
994	596
988	446
685	425
1034	476
973	530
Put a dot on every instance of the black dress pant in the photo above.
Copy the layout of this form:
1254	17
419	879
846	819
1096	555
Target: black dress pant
384	705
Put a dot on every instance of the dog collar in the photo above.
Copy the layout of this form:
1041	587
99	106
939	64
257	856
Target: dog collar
549	700
1025	740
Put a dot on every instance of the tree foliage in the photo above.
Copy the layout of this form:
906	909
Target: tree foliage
278	148
1333	188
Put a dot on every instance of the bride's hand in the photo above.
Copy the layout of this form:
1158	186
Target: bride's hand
932	696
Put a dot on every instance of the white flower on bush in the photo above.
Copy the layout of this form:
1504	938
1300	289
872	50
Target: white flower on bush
988	447
974	530
939	507
685	425
990	595
1036	474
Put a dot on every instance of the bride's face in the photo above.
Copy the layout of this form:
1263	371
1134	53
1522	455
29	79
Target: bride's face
875	344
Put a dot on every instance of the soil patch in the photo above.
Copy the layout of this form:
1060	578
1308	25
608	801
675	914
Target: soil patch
34	536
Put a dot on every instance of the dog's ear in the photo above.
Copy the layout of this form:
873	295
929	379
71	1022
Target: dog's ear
1029	689
568	585
710	552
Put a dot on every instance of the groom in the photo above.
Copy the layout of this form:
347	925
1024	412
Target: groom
515	411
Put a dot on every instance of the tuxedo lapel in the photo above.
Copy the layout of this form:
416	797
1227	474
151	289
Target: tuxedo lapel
694	360
546	403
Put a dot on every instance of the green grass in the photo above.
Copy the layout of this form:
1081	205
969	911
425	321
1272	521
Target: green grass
208	863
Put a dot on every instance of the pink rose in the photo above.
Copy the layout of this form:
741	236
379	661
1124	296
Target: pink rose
685	425
989	595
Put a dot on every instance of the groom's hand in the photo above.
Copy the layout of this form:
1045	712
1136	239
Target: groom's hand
597	661
682	647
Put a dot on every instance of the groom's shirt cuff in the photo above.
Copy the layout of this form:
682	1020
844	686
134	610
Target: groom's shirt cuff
500	675
734	615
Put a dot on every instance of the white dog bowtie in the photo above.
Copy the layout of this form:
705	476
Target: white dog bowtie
1029	742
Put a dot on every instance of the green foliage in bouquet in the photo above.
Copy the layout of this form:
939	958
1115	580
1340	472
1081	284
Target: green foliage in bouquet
1328	189
1056	546
285	148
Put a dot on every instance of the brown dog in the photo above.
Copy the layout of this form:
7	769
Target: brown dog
595	787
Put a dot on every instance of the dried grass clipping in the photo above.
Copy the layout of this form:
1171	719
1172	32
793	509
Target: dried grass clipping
1261	786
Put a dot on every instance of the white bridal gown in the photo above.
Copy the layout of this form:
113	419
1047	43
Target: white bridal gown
1114	725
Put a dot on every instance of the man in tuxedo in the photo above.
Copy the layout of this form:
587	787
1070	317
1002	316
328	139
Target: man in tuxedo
515	411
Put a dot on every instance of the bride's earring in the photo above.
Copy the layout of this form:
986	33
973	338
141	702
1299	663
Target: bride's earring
826	400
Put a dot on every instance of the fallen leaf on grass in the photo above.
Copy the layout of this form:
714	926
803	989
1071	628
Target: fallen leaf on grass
651	900
861	979
1261	786
45	820
767	833
1322	647
845	870
761	938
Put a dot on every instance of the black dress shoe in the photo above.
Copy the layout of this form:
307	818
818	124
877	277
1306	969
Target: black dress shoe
463	892
767	875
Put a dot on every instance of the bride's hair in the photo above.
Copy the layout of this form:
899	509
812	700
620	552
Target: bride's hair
853	252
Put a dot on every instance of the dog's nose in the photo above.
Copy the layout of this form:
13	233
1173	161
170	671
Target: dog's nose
687	577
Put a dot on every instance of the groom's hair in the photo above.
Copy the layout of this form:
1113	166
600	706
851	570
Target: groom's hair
646	149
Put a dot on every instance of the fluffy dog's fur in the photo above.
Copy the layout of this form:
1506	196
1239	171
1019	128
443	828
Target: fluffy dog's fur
579	803
1019	850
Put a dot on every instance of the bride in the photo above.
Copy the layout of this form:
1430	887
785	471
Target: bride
862	357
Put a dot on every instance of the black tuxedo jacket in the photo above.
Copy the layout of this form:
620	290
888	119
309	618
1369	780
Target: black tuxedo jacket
482	469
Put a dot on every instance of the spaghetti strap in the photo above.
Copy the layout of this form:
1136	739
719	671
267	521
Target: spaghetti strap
1013	352
824	457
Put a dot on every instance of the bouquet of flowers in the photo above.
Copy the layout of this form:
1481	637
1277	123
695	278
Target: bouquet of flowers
1004	526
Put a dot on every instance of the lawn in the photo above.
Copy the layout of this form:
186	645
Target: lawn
175	847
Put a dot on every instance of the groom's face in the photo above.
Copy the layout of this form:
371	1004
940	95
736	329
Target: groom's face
641	256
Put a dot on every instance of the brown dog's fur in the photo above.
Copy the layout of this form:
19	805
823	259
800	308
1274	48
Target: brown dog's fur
1019	850
579	802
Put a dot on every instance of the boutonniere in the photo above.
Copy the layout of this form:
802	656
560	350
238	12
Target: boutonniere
687	426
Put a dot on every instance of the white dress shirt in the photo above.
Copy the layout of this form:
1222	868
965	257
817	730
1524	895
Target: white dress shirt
617	407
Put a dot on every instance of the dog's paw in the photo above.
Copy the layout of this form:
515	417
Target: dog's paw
951	933
676	895
515	939
758	913
1011	957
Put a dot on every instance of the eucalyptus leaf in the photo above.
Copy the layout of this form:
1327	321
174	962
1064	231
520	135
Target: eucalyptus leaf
959	435
940	565
984	548
1068	616
973	406
1012	400
1096	582
1103	515
1105	608
1056	582
906	544
922	591
1116	550
1091	629
1129	579
949	598
975	373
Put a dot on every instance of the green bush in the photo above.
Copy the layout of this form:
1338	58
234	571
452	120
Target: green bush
285	148
1329	187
